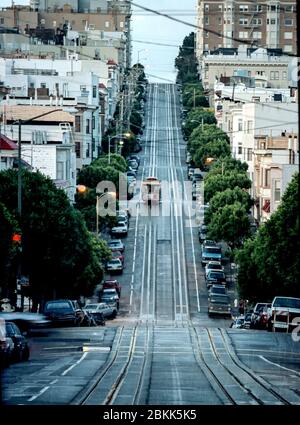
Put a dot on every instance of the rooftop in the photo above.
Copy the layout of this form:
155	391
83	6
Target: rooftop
26	112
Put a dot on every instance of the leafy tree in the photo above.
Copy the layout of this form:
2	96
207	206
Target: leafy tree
136	121
116	161
185	62
228	197
219	183
202	135
91	175
215	149
272	260
57	249
230	224
8	251
228	164
195	118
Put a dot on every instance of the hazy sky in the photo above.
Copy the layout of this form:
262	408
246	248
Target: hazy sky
146	27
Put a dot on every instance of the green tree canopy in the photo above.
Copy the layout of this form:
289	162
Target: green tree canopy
57	248
269	265
228	197
228	164
200	136
214	149
195	118
185	62
219	183
230	224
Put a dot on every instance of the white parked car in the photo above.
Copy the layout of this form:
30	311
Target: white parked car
114	265
119	229
213	265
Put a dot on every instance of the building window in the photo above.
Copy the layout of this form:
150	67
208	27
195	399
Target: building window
272	8
288	35
277	191
288	49
274	75
249	154
220	7
267	178
273	21
106	24
244	8
240	150
206	34
257	35
240	126
256	21
94	91
228	21
206	20
84	22
288	22
284	75
87	152
289	8
87	127
60	170
258	8
220	20
249	126
77	123
243	34
93	123
206	7
121	24
43	85
1	21
243	21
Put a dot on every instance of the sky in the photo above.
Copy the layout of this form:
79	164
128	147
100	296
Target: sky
150	28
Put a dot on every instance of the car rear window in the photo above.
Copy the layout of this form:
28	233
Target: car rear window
63	305
287	302
219	275
220	299
213	250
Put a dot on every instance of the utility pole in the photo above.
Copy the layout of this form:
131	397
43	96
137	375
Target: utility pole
19	168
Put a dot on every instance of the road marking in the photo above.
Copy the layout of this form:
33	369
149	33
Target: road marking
75	364
278	365
39	394
53	382
61	348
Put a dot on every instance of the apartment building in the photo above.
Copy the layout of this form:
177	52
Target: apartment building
276	160
231	23
47	142
259	64
8	152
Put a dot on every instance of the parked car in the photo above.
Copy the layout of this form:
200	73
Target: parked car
219	304
64	312
135	157
6	346
116	245
214	276
210	253
190	173
247	321
213	265
101	310
259	316
133	164
110	296
202	233
196	191
119	255
114	266
238	323
121	219
217	289
112	284
21	348
119	229
282	313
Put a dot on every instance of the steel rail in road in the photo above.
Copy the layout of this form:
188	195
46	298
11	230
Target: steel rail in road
93	390
233	370
256	378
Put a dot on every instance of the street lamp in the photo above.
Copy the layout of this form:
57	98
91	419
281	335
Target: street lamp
110	138
199	122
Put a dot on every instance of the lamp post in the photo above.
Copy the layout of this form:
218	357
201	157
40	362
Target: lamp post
110	138
199	122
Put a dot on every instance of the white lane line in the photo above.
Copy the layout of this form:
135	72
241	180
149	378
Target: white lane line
149	269
75	364
39	394
278	365
154	271
54	382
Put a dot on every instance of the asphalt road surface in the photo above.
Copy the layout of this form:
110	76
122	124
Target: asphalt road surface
162	348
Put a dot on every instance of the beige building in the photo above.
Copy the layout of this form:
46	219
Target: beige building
258	64
276	160
230	23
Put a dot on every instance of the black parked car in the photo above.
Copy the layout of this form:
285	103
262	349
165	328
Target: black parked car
64	312
21	349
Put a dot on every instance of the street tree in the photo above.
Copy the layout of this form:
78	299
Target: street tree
219	183
57	248
185	62
272	260
214	149
230	224
196	117
227	165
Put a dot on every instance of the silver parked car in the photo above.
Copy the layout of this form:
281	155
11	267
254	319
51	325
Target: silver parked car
114	265
107	311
